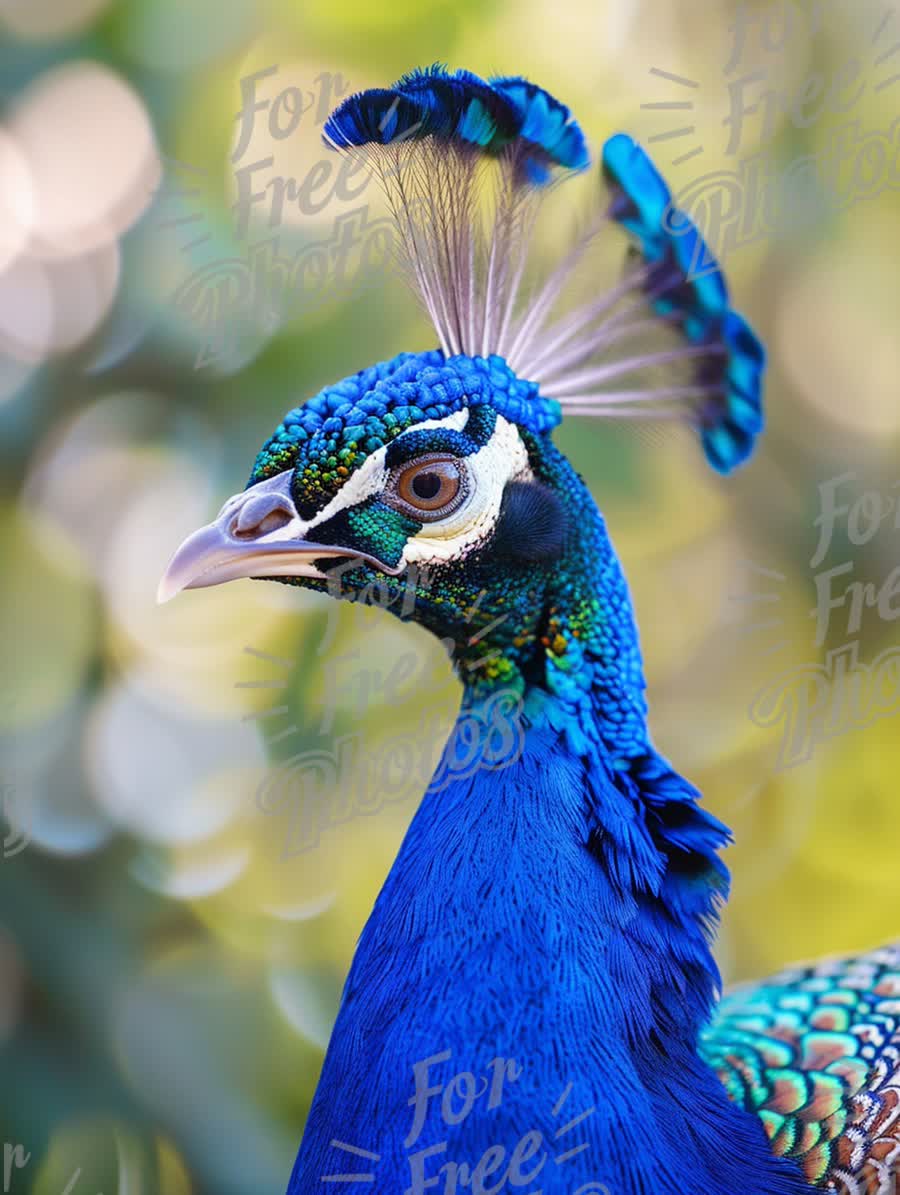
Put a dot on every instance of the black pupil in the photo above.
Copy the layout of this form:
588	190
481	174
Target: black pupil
426	486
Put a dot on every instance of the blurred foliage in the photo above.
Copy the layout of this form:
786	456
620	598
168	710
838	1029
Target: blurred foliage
171	946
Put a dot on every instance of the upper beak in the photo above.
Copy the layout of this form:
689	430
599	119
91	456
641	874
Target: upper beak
258	533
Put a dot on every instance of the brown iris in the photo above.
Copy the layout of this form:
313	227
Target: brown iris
430	487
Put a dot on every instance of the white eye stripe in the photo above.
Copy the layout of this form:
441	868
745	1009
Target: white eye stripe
372	475
501	460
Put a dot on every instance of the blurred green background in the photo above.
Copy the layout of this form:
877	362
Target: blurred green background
170	960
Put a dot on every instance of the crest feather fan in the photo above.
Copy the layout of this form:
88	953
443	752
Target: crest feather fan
466	165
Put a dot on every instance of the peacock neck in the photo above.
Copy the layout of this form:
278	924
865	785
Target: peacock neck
561	631
650	850
551	904
571	708
547	914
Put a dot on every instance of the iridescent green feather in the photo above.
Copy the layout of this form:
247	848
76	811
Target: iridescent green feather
815	1052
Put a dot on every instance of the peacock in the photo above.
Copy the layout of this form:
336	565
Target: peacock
534	1004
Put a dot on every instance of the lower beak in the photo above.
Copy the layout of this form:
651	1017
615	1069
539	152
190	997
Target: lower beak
258	534
209	557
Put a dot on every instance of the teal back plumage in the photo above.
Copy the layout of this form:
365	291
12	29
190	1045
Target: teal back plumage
815	1053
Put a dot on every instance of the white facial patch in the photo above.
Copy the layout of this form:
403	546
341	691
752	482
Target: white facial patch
372	475
502	459
369	479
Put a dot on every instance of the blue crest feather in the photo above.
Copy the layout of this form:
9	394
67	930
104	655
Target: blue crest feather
686	286
378	116
461	105
709	366
547	124
640	194
729	441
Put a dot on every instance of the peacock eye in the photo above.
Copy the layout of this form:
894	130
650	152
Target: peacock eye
430	488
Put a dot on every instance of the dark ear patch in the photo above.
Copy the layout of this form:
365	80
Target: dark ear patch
532	525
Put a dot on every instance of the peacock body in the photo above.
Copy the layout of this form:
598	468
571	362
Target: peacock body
533	1002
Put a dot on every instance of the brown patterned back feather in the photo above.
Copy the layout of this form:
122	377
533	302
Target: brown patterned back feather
815	1052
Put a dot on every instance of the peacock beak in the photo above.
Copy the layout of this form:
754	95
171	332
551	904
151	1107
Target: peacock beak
258	533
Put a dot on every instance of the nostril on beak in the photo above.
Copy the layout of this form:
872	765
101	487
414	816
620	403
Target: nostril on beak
260	515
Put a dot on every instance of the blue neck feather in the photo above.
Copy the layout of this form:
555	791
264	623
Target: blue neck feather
544	928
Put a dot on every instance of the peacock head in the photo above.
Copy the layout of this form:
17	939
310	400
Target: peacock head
432	479
426	485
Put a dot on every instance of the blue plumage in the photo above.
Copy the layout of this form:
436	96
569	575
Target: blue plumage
500	933
640	194
547	124
459	106
730	441
380	116
687	286
531	1003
